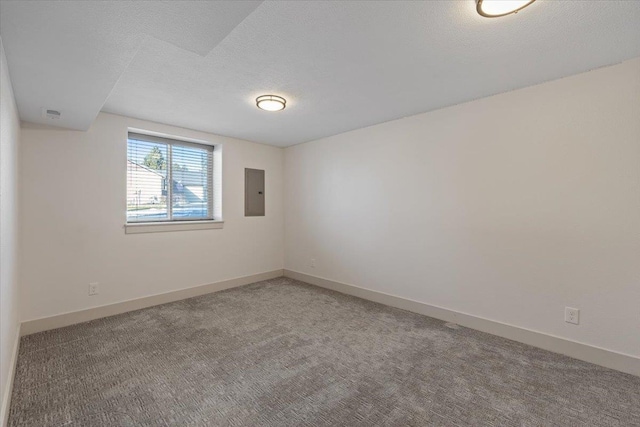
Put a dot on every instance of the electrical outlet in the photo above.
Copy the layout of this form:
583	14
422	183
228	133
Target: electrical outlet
93	288
313	263
572	315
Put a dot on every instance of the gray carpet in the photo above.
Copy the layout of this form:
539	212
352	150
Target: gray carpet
283	353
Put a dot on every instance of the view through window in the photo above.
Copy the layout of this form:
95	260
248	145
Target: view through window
168	180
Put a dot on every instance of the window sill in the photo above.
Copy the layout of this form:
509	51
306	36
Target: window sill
160	227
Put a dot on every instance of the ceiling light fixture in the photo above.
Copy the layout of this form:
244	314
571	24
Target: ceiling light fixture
271	102
496	8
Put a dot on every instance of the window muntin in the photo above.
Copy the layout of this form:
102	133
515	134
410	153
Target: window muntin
168	180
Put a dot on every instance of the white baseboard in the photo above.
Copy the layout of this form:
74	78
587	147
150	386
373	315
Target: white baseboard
66	319
599	356
8	389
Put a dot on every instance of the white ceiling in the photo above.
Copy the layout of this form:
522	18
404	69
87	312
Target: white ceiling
341	65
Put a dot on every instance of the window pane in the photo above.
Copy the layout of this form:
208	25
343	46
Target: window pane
191	174
146	181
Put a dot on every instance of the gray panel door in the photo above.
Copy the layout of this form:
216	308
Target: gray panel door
253	192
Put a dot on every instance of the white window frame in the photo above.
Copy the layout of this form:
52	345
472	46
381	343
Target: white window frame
213	180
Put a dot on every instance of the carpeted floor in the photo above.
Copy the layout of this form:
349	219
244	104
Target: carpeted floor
283	353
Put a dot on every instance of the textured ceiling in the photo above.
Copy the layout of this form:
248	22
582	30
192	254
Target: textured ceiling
69	55
341	65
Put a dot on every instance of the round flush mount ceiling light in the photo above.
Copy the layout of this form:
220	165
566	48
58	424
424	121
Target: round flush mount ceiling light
496	8
271	102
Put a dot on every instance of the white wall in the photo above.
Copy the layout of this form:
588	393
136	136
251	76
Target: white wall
73	213
9	317
508	208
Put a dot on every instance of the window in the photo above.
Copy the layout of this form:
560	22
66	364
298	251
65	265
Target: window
168	180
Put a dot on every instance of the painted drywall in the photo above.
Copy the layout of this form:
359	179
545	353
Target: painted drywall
9	316
508	208
73	216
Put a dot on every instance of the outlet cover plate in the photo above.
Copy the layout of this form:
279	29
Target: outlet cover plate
572	315
93	288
